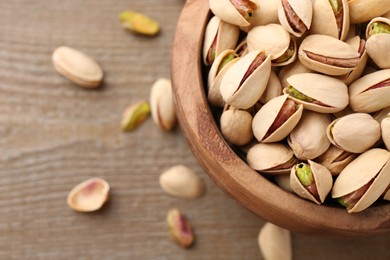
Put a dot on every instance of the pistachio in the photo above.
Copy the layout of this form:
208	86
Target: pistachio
363	181
89	195
275	242
295	16
242	48
335	159
364	10
161	104
382	114
273	89
180	181
291	69
378	41
77	67
267	13
139	23
236	125
180	228
283	181
134	115
237	12
385	127
386	195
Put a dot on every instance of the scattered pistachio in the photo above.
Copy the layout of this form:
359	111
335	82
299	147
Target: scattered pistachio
275	242
90	195
134	115
180	228
139	23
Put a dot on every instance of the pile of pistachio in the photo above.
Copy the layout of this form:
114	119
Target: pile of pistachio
305	91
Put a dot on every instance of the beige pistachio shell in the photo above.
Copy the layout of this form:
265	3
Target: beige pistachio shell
387	195
323	180
382	114
326	47
335	159
242	48
266	116
308	140
324	20
301	8
273	89
364	10
327	90
373	164
283	181
227	37
236	125
294	68
378	45
266	14
385	127
291	59
215	77
264	157
354	133
362	99
271	38
225	10
275	242
249	92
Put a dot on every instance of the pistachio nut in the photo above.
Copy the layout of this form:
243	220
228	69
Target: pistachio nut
77	67
283	181
317	92
371	92
237	12
89	195
219	36
242	48
385	127
275	242
180	181
364	10
330	17
180	228
363	181
276	119
139	23
134	115
308	140
221	64
274	158
294	68
295	16
161	104
273	89
275	41
382	114
328	55
236	125
245	81
265	14
378	41
335	159
358	44
311	181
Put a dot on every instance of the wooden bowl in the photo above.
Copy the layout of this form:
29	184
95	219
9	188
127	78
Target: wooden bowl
225	167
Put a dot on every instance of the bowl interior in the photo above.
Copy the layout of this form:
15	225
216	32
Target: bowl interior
228	170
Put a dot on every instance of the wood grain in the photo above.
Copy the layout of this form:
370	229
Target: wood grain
55	135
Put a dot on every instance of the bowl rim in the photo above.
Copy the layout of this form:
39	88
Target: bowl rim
227	169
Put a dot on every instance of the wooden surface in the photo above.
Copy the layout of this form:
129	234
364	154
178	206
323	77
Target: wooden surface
54	135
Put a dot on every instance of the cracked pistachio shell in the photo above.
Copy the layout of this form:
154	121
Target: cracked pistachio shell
364	10
225	10
302	10
323	180
308	140
385	127
328	48
354	133
335	159
283	181
273	89
294	68
356	73
324	19
327	90
373	164
245	94
266	116
275	242
264	157
366	100
378	45
227	37
236	125
215	76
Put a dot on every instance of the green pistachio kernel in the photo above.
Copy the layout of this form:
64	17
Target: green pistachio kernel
226	60
379	27
298	95
304	174
342	203
336	5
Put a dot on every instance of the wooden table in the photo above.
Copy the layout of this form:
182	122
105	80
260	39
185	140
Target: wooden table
55	135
